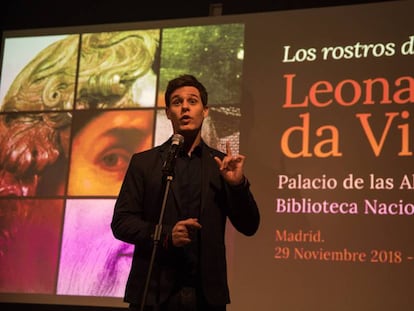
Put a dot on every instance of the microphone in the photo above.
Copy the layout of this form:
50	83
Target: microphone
169	163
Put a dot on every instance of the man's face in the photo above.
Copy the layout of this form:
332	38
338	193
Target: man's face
186	110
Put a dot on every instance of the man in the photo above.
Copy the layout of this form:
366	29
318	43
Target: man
206	188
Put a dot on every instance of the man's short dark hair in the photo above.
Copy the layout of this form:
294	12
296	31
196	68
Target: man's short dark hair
185	80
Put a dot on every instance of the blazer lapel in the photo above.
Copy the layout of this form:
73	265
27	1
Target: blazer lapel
207	167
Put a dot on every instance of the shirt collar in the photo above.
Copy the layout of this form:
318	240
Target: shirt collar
197	151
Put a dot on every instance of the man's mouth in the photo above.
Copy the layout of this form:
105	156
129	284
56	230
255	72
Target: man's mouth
185	119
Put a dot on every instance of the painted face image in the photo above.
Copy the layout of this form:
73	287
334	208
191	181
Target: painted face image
100	264
186	110
103	147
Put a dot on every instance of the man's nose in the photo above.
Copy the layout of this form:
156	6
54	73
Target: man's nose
185	105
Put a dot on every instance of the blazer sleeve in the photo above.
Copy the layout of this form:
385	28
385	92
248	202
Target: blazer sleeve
243	211
135	217
241	207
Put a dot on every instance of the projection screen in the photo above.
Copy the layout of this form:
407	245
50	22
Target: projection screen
320	101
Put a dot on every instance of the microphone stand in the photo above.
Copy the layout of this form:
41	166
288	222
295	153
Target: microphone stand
157	235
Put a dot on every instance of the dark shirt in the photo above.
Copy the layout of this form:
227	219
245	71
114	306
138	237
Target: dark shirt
188	182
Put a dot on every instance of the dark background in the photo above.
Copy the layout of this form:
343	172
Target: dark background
29	14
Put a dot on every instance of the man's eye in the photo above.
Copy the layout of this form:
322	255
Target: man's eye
193	100
114	160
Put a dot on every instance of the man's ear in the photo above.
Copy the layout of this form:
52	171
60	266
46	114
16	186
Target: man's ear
167	112
205	111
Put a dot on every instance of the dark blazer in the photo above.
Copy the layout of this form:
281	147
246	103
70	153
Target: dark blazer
137	211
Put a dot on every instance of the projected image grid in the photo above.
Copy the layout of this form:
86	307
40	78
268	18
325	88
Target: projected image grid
74	108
